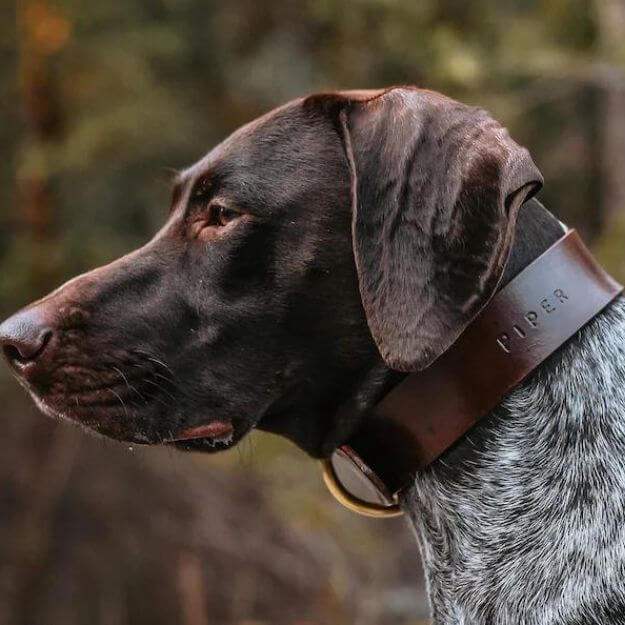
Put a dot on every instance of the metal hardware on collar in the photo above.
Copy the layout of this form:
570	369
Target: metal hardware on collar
353	502
522	325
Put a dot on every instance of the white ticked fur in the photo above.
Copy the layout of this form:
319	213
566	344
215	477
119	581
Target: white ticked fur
530	527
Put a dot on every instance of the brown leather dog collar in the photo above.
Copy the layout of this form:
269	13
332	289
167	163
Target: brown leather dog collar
523	324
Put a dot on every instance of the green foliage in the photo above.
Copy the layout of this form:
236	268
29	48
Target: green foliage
143	87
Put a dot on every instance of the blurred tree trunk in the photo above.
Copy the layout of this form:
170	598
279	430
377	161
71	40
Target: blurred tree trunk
41	32
611	24
34	522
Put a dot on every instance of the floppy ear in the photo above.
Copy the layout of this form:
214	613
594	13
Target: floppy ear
436	189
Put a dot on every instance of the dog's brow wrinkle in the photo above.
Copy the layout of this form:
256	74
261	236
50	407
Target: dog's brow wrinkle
176	194
172	172
180	178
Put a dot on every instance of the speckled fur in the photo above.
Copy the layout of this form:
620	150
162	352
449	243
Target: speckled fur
529	527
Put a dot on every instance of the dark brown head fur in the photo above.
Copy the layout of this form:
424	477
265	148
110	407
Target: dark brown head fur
307	258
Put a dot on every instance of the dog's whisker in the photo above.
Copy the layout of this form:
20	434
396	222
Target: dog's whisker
121	401
163	377
160	388
157	361
130	386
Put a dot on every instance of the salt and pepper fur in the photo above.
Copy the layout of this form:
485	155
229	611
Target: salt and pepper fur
529	527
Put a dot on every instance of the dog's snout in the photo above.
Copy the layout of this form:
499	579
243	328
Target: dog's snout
24	337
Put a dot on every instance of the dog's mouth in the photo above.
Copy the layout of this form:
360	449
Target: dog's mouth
108	411
214	436
218	431
218	434
127	394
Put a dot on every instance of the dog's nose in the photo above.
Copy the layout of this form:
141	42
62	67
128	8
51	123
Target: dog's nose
24	337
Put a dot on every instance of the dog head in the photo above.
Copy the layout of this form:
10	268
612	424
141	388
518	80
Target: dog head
306	259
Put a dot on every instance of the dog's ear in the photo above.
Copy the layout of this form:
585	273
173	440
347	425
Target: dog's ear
436	189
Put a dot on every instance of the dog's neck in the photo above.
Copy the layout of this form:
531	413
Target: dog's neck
536	230
523	520
319	424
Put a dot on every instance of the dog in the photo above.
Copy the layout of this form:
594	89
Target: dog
308	262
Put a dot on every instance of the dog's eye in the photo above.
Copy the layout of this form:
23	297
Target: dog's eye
208	223
221	215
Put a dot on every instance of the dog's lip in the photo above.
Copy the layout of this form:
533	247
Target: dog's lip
215	430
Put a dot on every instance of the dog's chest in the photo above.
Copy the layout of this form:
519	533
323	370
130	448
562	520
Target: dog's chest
531	527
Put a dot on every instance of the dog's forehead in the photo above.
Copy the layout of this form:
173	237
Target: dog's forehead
242	147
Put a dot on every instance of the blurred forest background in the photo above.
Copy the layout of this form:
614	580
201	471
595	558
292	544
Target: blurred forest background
97	101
